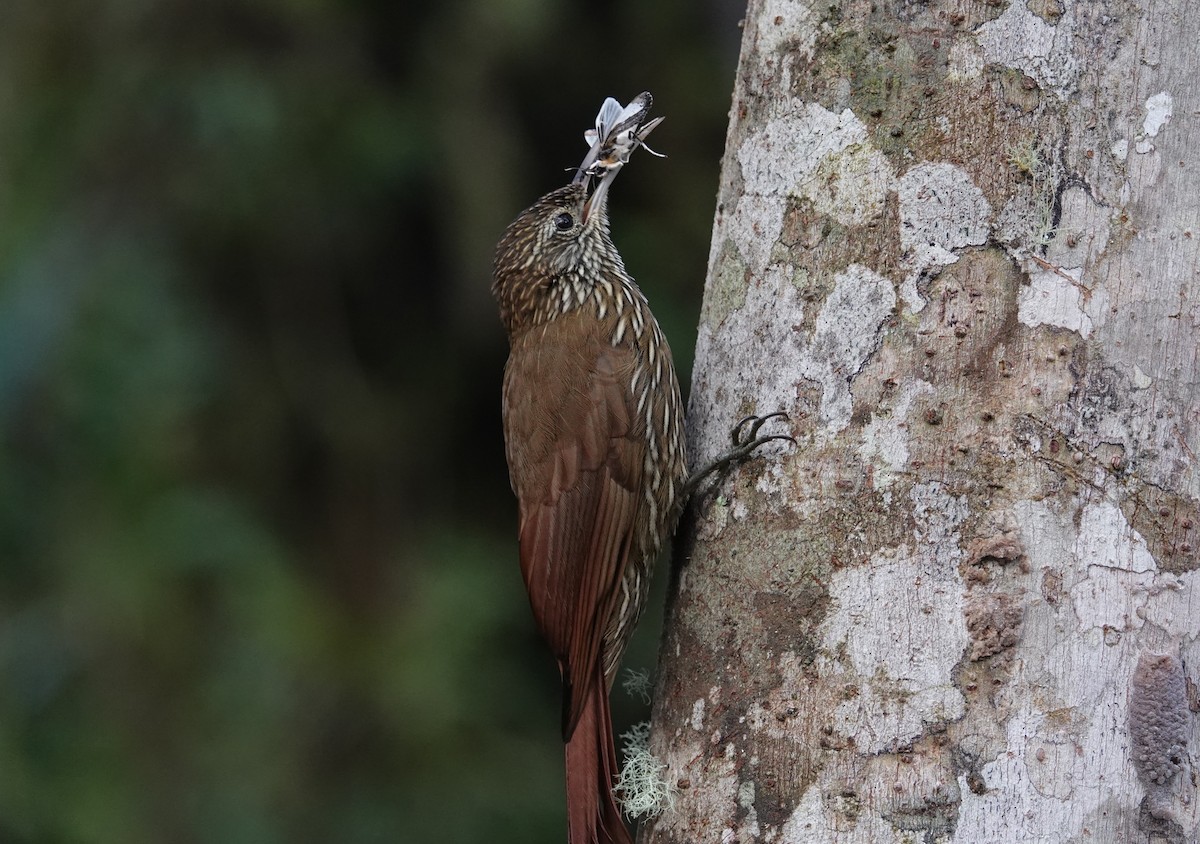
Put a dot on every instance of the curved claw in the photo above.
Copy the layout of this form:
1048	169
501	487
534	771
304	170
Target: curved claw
762	420
764	440
744	443
756	425
736	433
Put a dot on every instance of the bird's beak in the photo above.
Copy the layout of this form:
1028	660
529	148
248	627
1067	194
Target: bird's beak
608	159
596	201
589	160
583	177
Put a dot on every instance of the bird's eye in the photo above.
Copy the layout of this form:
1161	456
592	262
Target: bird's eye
564	221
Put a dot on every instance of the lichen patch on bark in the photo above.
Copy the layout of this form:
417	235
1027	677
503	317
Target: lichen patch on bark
1056	297
846	331
1021	40
941	211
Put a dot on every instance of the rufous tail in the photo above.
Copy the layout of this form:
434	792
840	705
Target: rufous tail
592	813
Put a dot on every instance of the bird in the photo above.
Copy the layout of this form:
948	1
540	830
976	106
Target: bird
595	443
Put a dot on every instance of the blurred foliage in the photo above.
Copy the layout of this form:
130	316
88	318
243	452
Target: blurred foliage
258	577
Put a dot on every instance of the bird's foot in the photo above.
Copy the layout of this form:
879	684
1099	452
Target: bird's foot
746	439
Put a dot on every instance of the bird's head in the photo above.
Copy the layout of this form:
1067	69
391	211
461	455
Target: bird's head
552	254
561	233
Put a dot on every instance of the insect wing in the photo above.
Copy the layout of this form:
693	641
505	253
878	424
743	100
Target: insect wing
610	114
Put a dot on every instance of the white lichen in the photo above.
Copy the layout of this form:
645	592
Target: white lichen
941	212
643	789
749	828
1024	156
814	154
767	357
1031	227
1159	110
1055	297
637	684
846	333
885	437
783	25
1121	571
1106	539
898	620
850	187
1065	756
1023	41
759	349
941	207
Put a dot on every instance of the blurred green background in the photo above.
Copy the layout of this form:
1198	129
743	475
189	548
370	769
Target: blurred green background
258	574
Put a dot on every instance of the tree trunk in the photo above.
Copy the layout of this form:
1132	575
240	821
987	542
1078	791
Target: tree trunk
958	243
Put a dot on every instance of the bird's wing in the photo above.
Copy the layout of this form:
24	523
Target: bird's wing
576	460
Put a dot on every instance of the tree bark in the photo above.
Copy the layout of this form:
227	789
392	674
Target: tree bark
958	243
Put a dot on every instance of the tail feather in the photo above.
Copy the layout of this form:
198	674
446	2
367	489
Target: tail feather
592	813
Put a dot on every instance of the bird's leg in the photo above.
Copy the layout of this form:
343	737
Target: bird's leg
745	440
